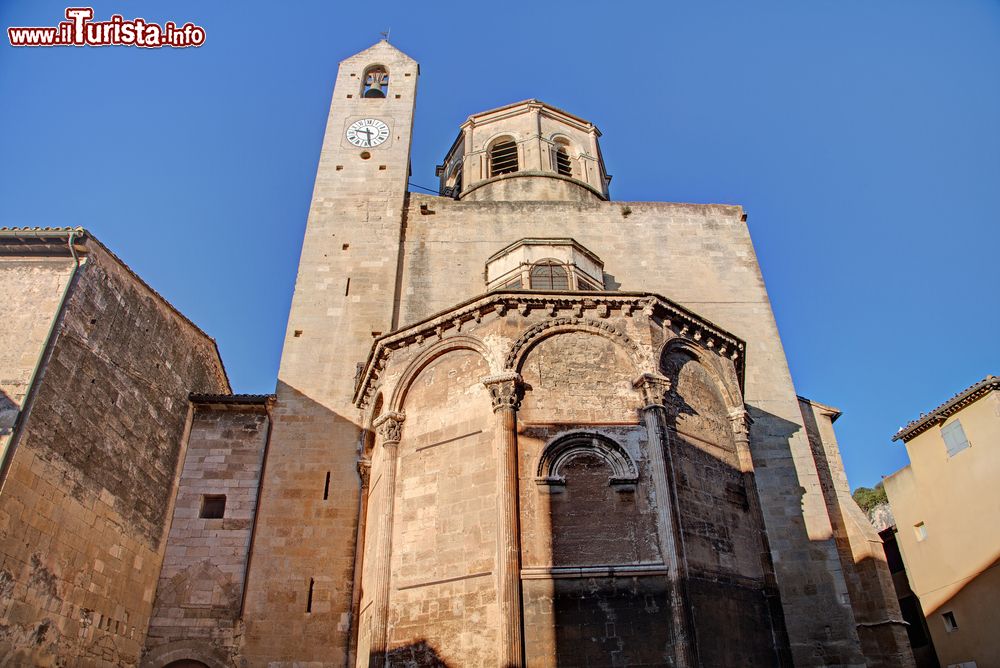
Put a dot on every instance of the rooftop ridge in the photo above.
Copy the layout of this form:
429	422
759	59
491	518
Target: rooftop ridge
967	396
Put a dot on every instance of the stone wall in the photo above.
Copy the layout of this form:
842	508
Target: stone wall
343	297
30	291
702	257
876	609
199	598
85	504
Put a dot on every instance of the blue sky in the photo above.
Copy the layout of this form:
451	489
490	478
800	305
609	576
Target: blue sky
863	138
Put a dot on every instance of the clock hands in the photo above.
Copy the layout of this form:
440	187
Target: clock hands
369	133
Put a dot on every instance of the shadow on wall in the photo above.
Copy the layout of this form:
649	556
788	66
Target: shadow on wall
964	626
413	655
8	413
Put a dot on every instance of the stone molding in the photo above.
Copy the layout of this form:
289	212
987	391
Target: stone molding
537	332
564	448
577	305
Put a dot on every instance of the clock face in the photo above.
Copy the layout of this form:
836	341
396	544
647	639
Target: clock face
367	133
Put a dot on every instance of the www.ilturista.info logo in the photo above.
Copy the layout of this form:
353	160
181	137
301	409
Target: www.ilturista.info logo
80	30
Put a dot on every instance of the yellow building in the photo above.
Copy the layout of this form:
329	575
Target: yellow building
947	509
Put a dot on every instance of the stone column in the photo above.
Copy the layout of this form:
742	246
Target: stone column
389	428
506	391
654	390
364	469
740	421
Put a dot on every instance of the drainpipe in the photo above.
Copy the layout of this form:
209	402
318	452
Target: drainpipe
43	358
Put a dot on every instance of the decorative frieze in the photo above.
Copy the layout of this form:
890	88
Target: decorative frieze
674	319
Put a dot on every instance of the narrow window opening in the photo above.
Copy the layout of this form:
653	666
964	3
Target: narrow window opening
563	165
381	168
297	333
375	83
213	506
309	599
347	288
920	530
503	158
949	621
326	487
549	276
345	246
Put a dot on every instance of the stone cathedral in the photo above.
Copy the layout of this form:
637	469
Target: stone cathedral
518	423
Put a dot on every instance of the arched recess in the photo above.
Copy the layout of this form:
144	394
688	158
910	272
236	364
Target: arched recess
699	403
543	330
725	382
560	452
186	653
458	342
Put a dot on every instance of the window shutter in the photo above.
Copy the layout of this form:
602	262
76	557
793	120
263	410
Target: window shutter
954	437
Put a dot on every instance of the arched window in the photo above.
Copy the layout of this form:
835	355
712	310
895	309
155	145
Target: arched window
375	82
503	157
549	275
563	164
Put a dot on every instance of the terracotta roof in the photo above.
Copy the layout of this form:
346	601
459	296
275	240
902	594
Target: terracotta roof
198	398
948	408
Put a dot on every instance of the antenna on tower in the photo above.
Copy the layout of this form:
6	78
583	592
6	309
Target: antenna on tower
385	35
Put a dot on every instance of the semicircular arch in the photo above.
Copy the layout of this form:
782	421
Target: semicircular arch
544	330
730	395
452	343
564	449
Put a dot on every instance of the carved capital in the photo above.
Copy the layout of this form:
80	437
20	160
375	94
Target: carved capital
654	389
740	420
506	390
389	427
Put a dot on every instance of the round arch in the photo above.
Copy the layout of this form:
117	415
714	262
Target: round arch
452	343
565	448
543	330
186	653
730	395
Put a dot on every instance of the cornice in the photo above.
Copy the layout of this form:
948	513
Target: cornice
588	306
958	402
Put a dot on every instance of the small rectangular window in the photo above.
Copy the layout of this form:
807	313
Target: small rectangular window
949	621
213	506
920	530
954	437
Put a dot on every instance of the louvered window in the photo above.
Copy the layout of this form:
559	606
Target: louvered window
503	158
549	276
563	165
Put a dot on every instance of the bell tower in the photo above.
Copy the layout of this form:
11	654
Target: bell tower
301	571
